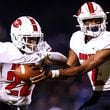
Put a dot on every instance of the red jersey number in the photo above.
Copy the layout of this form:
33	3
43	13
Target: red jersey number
23	91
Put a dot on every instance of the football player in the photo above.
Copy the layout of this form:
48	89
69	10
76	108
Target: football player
27	47
90	46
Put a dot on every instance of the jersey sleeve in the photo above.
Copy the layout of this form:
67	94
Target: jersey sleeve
9	53
77	36
72	42
104	43
4	50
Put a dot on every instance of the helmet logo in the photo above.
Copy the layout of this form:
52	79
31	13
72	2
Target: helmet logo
17	23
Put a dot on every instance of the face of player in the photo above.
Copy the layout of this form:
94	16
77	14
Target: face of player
31	42
93	24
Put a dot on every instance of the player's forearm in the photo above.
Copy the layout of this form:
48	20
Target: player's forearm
89	64
70	71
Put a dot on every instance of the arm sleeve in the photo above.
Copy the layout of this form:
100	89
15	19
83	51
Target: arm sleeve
4	50
104	43
57	56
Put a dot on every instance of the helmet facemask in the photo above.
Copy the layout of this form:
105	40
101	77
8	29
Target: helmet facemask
93	29
30	43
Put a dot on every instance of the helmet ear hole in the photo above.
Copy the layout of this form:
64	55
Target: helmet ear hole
25	27
92	11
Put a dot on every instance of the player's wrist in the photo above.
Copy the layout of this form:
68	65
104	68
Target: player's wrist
55	73
47	73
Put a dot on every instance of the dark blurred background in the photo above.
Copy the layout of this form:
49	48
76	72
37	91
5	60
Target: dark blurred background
54	16
57	23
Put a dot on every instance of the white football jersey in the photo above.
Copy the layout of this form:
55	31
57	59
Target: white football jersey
99	77
12	89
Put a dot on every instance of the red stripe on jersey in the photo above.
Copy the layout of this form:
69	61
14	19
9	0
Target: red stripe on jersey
90	6
34	24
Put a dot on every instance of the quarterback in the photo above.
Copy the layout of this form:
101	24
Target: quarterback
27	47
90	53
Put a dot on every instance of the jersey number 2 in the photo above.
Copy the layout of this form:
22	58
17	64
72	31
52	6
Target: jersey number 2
24	89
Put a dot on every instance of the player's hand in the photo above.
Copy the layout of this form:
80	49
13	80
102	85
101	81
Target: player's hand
38	78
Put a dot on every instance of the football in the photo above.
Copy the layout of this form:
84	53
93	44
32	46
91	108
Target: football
26	71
